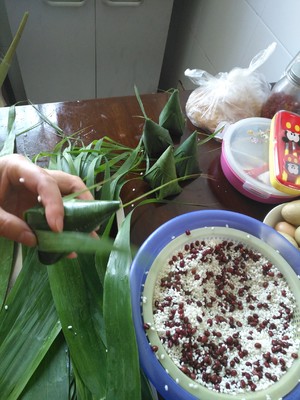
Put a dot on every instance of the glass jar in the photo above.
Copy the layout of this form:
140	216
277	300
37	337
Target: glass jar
285	94
292	62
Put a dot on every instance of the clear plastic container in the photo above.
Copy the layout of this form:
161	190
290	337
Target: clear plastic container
285	94
245	160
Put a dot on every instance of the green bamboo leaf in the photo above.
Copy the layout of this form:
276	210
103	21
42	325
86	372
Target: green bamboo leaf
89	172
140	101
28	326
90	161
208	137
44	118
81	161
156	139
9	143
118	179
82	391
52	378
101	258
162	172
6	62
7	247
106	191
81	330
123	373
172	117
80	216
148	390
115	160
7	251
67	242
94	290
57	160
73	168
186	157
62	159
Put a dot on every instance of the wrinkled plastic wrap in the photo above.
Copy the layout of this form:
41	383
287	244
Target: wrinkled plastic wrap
228	96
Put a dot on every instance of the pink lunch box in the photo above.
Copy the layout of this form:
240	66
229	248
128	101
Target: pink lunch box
245	160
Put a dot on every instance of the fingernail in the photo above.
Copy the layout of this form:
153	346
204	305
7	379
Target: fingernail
72	255
59	224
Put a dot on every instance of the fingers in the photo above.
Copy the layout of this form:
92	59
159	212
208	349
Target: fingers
67	184
43	186
16	229
71	184
47	185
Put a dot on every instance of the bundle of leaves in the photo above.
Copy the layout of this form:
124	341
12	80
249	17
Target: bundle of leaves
164	167
172	117
62	325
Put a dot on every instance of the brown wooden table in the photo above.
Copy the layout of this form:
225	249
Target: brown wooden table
119	119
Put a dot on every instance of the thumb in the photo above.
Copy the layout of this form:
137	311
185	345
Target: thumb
14	228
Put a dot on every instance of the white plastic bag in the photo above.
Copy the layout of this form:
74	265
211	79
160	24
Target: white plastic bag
228	97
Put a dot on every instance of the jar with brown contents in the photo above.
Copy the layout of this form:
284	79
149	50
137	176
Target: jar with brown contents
285	94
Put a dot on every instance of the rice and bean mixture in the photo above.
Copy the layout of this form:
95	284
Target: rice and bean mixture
224	314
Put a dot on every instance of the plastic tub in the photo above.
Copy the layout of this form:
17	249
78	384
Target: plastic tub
245	160
152	249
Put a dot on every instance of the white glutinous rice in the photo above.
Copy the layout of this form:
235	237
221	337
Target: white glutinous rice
224	315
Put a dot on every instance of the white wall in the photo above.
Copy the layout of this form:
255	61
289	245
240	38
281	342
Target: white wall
217	35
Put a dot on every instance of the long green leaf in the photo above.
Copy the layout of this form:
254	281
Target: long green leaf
6	62
43	117
28	326
131	162
9	143
66	242
148	390
140	101
7	248
123	373
101	258
80	328
94	289
52	378
105	192
82	391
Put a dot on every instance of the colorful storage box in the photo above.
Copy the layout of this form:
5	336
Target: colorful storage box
245	160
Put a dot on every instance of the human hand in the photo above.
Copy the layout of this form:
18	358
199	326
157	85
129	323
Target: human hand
24	184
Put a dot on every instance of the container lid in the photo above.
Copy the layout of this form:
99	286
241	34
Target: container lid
246	152
294	72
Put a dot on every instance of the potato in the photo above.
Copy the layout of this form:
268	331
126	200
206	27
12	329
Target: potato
285	227
297	235
291	212
290	239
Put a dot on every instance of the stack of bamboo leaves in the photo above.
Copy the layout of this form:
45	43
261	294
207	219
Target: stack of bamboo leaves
66	329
